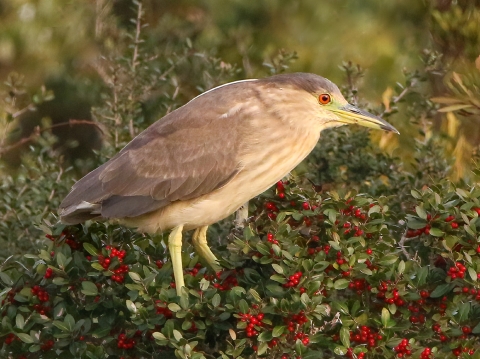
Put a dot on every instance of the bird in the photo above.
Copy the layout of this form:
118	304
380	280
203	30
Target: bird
201	162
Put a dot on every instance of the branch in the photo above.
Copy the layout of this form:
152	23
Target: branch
37	132
401	244
137	35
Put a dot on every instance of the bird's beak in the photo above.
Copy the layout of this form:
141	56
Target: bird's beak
352	114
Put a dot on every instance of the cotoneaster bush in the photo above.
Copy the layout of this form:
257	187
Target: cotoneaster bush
313	275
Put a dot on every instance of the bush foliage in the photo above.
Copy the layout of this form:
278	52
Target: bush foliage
360	253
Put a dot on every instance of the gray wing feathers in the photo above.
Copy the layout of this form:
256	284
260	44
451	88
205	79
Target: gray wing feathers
180	157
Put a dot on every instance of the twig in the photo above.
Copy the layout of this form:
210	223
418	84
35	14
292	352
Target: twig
401	244
37	131
137	35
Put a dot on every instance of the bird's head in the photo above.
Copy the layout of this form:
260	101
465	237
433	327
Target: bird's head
327	102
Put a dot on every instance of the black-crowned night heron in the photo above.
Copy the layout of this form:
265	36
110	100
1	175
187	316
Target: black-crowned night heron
203	161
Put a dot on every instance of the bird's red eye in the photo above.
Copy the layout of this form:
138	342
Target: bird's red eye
324	99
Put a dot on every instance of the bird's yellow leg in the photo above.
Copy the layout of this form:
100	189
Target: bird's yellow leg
175	248
199	241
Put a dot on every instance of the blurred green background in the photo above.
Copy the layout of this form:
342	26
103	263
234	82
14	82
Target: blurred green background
61	44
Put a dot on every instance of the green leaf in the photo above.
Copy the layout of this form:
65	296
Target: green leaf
278	330
278	278
341	283
69	322
388	260
90	249
345	336
421	212
366	271
19	321
342	307
61	325
385	316
374	209
463	311
277	268
135	277
25	338
89	288
159	336
415	194
472	274
262	348
255	295
216	300
177	335
422	274
476	329
265	336
414	223
442	290
98	267
131	306
101	332
6	279
401	267
340	350
174	307
61	260
436	232
204	284
243	305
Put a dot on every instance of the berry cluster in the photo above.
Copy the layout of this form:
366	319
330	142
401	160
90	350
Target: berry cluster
106	261
303	337
472	291
10	298
161	308
359	285
313	250
293	280
459	350
40	309
358	232
125	343
10	338
403	349
69	239
272	210
365	335
40	293
457	271
296	320
390	298
253	323
349	354
416	317
281	189
227	282
47	345
355	211
426	354
194	271
271	238
48	273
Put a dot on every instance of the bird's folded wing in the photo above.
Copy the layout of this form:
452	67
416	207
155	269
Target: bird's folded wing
182	156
